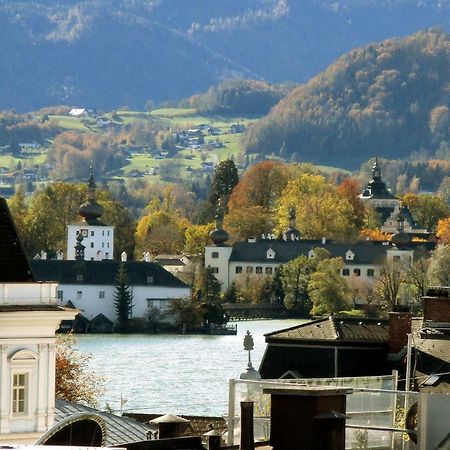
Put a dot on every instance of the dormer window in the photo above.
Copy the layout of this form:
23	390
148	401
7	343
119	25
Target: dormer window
349	256
311	254
270	254
150	279
79	277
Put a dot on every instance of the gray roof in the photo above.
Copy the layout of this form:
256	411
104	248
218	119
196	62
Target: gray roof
366	252
103	273
119	430
338	329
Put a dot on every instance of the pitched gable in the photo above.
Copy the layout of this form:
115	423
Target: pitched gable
14	267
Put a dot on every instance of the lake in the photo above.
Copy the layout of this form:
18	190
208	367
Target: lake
179	374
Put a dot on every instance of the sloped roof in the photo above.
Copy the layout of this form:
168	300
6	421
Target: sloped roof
366	252
103	273
119	430
339	329
13	262
433	357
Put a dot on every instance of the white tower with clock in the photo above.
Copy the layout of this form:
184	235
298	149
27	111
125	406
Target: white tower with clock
98	238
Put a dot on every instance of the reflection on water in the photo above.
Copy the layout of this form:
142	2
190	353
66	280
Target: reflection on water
174	373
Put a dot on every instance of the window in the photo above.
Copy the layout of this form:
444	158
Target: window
268	270
79	277
92	233
357	272
101	294
107	244
258	269
370	272
107	233
150	279
92	245
59	294
396	257
238	269
214	254
103	233
103	245
346	272
214	269
79	294
249	269
19	393
270	254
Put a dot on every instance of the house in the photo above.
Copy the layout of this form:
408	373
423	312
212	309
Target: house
78	112
174	264
259	257
349	346
97	237
29	317
89	286
377	196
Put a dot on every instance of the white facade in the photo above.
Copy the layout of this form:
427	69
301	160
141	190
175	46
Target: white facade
98	241
93	300
29	317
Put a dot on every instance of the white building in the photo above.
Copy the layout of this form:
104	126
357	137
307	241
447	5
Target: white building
90	285
98	238
257	258
29	317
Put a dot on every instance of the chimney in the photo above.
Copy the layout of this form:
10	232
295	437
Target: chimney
247	437
170	426
436	305
324	240
123	256
399	328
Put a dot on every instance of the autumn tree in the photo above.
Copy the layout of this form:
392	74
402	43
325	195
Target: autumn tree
388	284
350	190
187	313
427	209
197	238
327	288
161	229
439	268
443	231
261	185
320	210
74	380
253	221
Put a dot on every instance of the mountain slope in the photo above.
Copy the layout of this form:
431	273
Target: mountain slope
388	99
107	53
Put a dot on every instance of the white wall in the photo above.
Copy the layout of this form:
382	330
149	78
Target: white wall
98	240
91	304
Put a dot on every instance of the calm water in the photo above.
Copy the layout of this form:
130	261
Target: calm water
172	373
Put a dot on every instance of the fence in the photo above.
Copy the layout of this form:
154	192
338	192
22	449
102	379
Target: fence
377	410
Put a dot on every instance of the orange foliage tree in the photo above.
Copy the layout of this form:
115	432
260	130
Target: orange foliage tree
443	230
74	380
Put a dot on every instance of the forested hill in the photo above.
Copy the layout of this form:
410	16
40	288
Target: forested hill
109	53
388	99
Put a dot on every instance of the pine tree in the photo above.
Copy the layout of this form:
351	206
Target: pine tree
123	297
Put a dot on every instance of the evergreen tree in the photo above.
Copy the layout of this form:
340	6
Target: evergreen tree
123	298
225	179
231	294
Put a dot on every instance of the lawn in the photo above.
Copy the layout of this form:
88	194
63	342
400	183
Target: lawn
70	123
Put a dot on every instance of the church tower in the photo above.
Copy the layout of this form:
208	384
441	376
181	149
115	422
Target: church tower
98	238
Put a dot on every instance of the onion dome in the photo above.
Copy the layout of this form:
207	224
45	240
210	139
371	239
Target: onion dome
376	188
91	210
219	236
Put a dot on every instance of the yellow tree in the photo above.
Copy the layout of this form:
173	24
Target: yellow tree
196	238
320	210
443	230
161	230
